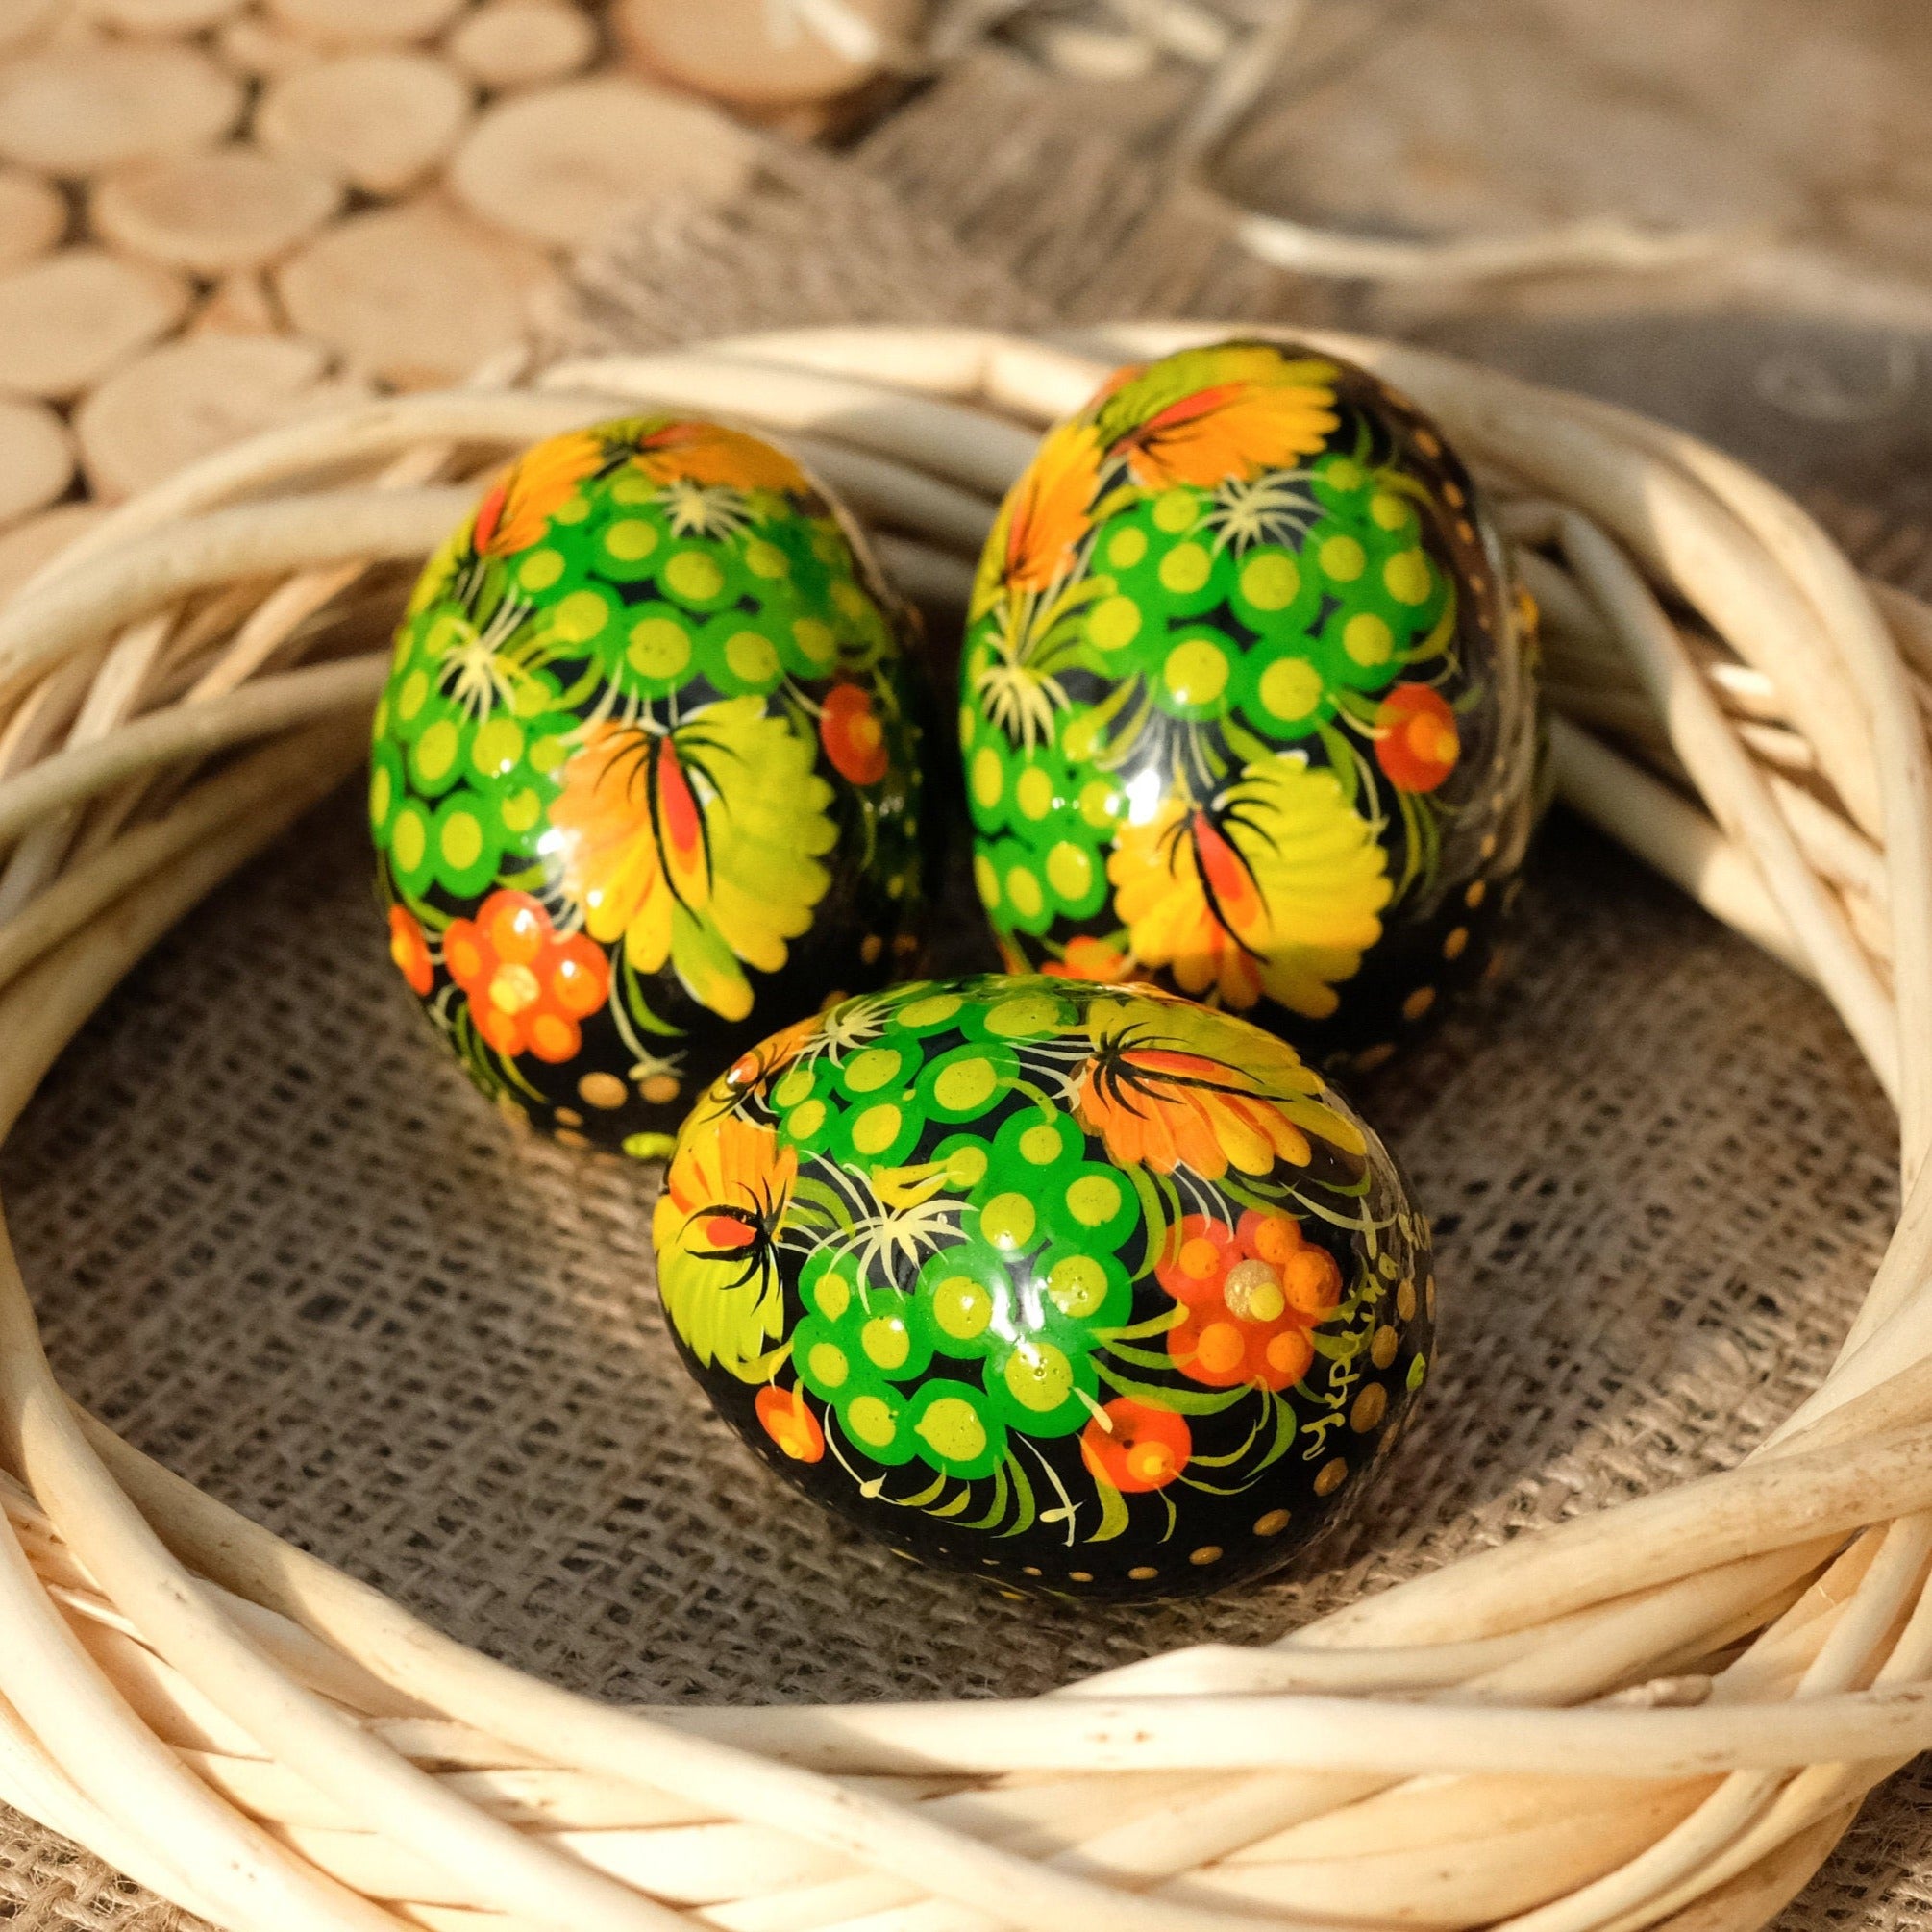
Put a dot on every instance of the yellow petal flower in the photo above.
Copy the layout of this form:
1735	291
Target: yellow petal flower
706	453
700	846
715	1228
1277	887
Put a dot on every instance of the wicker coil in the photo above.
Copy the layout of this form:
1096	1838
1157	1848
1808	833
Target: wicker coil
1733	1663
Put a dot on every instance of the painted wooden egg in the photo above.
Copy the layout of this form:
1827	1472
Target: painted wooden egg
1084	1289
1249	700
645	781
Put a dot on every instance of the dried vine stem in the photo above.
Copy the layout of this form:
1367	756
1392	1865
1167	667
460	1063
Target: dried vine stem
1713	1677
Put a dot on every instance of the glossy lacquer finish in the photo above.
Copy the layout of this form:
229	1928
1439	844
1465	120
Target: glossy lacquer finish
1079	1288
1249	700
645	779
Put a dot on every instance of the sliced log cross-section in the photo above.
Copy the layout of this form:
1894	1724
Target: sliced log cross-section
186	398
508	44
68	320
365	23
40	538
22	21
759	55
560	166
409	295
258	49
214	211
164	16
75	111
379	120
37	458
32	218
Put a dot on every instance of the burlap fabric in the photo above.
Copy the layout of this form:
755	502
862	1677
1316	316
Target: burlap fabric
276	1240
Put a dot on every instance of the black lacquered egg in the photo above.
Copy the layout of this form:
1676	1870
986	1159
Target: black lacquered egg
1248	700
1083	1289
645	782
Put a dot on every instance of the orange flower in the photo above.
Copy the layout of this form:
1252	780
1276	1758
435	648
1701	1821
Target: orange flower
850	731
528	988
1254	1294
1135	1447
516	511
783	1417
1156	1100
1416	743
411	952
708	452
1206	415
1089	958
1046	516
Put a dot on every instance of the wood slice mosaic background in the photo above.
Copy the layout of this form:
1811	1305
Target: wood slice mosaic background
216	215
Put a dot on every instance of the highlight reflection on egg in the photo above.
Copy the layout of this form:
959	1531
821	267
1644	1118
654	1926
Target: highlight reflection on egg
1079	1288
1249	702
645	779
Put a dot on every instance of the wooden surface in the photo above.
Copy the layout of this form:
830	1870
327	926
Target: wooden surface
216	215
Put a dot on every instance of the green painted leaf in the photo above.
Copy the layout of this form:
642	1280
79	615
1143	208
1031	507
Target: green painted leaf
1114	1517
1182	1401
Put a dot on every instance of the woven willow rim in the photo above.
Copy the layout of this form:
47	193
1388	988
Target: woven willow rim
1719	1672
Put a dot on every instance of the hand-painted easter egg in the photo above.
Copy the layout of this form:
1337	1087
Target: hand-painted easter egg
1079	1288
645	782
1249	700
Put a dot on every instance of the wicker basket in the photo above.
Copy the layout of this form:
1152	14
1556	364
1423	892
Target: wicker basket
1736	1661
